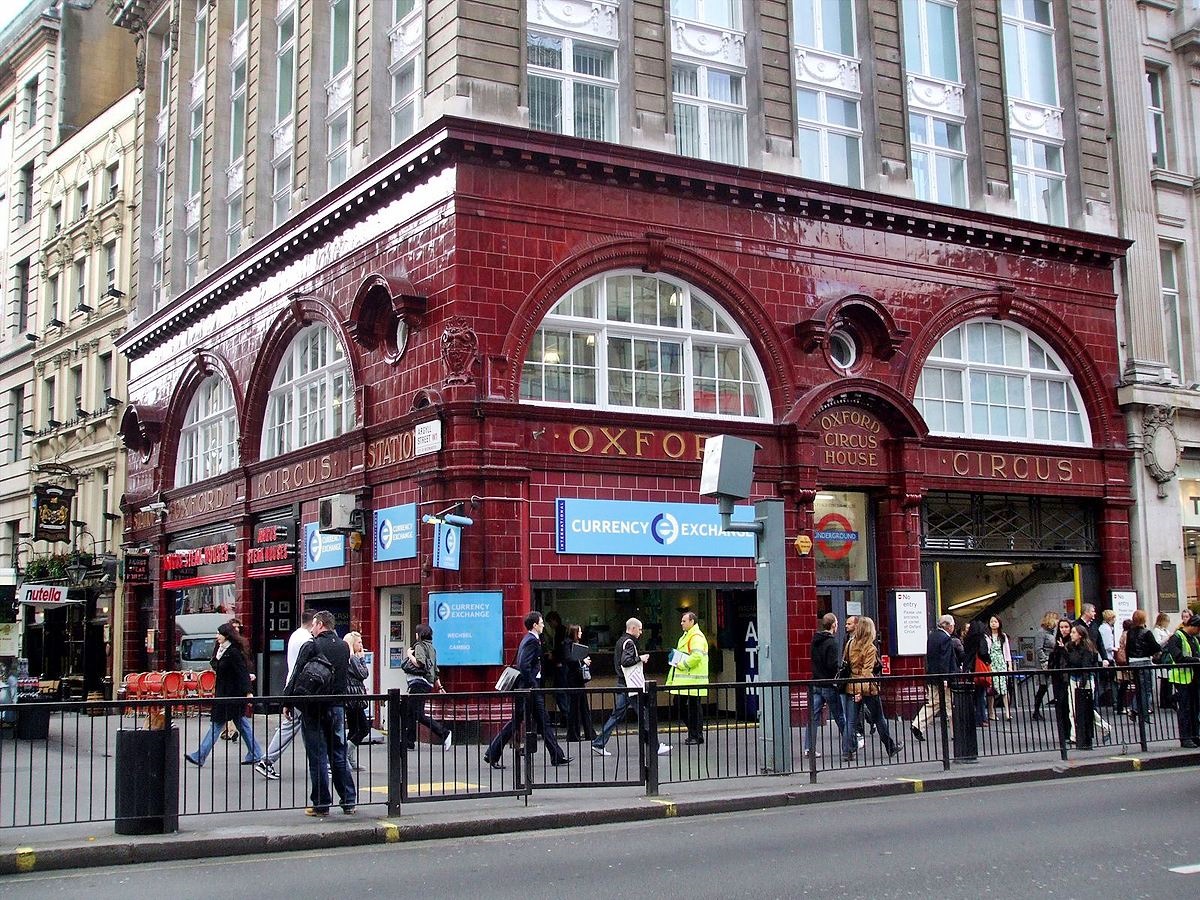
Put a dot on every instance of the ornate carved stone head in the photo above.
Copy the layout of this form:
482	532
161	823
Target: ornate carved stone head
460	346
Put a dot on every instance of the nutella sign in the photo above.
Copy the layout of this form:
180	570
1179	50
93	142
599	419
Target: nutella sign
43	594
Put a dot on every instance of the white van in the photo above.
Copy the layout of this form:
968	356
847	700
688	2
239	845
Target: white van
198	639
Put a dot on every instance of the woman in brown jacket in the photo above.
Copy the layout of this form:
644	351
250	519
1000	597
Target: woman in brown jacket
863	688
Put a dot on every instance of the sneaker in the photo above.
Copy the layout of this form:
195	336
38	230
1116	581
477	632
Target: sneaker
813	753
448	742
349	810
861	742
317	812
663	749
266	770
600	751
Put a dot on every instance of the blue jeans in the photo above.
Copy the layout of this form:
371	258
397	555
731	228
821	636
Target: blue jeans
324	730
253	751
822	697
873	710
620	710
1144	678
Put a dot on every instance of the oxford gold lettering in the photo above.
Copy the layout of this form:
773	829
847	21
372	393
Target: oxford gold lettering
614	442
673	445
574	434
642	438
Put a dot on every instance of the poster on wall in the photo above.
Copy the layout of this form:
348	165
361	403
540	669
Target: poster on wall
910	617
468	627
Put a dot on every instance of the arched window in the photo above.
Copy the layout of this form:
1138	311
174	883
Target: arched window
208	440
644	343
311	397
985	379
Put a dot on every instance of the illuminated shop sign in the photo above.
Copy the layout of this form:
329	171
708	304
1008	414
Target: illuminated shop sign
322	551
630	528
396	532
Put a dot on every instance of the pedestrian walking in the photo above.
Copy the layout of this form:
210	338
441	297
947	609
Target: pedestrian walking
628	661
862	688
1080	653
687	675
1000	659
289	718
322	722
824	693
420	665
529	664
358	725
232	684
941	658
976	658
579	711
1108	657
1141	648
1162	632
1045	646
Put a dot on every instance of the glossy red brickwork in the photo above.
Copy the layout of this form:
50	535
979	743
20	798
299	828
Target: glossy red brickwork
497	230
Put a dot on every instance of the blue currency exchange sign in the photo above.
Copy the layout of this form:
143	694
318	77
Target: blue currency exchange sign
322	551
396	532
631	528
447	546
468	627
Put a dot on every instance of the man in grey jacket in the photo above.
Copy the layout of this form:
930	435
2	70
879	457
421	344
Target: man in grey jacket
625	656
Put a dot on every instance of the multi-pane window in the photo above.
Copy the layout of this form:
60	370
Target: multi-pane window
112	180
939	159
572	87
829	137
233	231
1029	67
49	401
1039	180
104	374
27	185
1172	327
281	189
208	439
825	25
53	298
709	111
16	407
80	281
22	299
338	119
285	101
195	150
647	343
339	36
1156	118
30	101
56	217
237	113
191	258
82	196
312	398
405	72
110	264
931	38
718	13
988	379
76	387
200	47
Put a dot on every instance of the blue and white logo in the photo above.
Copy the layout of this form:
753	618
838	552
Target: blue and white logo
322	551
447	544
467	627
630	528
396	532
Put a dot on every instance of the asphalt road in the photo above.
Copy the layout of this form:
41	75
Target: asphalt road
1114	836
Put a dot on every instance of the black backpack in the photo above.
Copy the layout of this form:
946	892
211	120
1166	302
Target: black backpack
315	678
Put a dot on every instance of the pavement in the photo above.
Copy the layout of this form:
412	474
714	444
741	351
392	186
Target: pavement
94	844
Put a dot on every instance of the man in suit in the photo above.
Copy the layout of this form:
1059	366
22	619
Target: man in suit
941	658
529	664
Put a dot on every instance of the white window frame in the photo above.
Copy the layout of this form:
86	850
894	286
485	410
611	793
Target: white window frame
53	298
812	12
705	12
1023	376
1156	118
1169	257
233	228
237	110
311	400
208	438
112	176
200	46
340	119
191	256
567	79
1031	175
195	178
82	199
1017	24
823	128
80	271
570	325
281	163
917	17
31	102
934	155
705	106
110	264
281	189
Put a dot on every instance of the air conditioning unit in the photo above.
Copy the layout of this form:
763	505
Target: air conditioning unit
335	514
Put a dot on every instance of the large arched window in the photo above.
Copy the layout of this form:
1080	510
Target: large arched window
985	379
645	343
208	440
311	397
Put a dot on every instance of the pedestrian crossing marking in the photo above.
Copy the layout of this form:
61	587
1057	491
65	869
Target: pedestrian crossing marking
1187	870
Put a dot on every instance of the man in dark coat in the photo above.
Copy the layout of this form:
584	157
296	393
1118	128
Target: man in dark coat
529	664
826	659
941	658
323	722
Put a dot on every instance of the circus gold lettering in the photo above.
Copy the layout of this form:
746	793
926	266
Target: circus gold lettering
673	445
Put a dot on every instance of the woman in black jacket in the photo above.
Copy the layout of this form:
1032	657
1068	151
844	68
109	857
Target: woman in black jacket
233	683
975	647
1140	648
1080	653
579	712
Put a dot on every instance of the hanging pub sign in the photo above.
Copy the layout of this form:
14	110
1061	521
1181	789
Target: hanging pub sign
52	512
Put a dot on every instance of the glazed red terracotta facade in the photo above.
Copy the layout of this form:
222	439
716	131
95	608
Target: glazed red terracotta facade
483	229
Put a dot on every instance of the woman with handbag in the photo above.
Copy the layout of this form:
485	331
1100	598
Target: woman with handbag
1045	648
420	665
864	689
233	683
358	723
977	659
577	673
1000	659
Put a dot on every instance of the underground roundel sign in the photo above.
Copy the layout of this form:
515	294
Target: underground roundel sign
835	536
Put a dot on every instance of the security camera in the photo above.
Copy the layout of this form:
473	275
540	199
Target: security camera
156	507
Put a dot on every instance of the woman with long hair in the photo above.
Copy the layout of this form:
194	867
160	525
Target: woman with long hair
421	667
976	659
358	724
1081	653
1162	633
579	712
1000	659
863	689
1140	649
1044	648
233	683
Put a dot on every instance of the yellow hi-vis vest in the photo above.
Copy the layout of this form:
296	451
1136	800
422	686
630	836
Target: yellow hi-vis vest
1183	674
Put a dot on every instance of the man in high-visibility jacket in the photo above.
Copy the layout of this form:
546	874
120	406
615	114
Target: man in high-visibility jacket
688	665
1183	650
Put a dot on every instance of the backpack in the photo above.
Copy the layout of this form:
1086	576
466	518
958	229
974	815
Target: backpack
315	678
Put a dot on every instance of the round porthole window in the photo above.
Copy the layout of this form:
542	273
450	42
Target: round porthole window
843	349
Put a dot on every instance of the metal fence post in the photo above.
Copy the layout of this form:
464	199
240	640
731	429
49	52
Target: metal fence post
1139	700
810	739
524	755
397	758
944	723
650	745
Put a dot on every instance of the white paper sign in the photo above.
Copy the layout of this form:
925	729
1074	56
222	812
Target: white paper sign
1123	604
910	616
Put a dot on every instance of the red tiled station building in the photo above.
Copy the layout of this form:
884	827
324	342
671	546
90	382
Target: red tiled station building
545	331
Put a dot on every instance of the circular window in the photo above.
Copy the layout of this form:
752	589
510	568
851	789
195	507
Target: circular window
843	349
